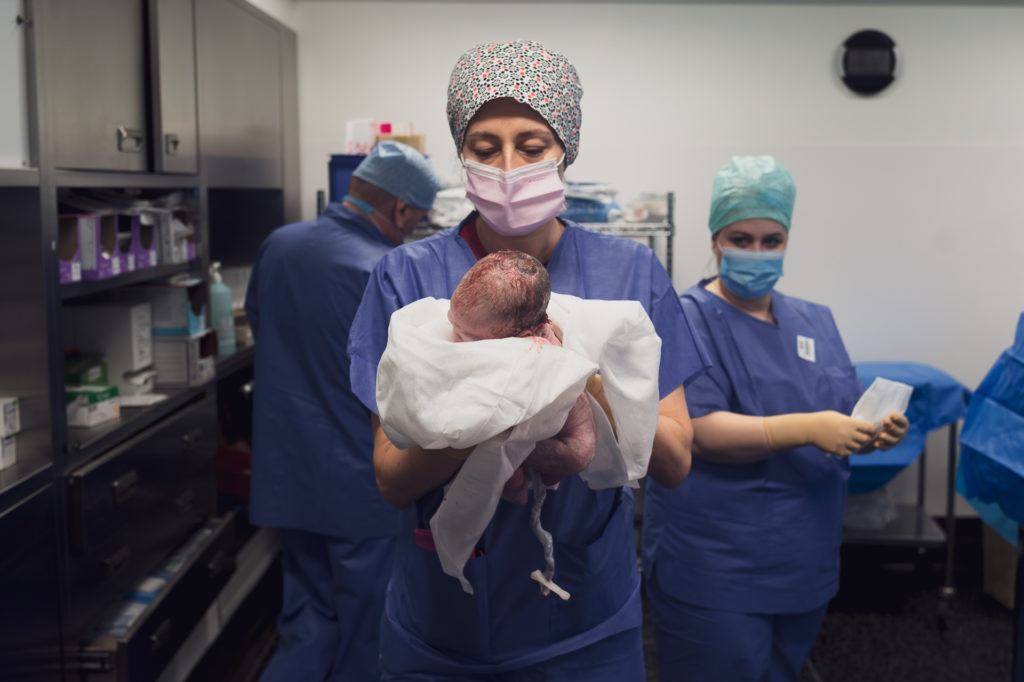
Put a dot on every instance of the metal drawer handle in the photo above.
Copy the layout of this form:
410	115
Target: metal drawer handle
171	144
124	486
219	564
160	637
185	501
116	561
129	140
192	437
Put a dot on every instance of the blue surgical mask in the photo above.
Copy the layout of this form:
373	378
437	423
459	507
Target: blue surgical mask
750	274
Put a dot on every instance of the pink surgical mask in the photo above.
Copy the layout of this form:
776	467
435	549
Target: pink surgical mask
516	202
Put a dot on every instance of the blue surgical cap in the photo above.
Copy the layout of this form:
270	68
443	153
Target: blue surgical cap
401	171
751	187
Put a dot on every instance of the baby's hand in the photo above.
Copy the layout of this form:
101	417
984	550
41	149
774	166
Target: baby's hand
517	488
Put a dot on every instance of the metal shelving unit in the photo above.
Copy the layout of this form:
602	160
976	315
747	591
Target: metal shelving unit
656	234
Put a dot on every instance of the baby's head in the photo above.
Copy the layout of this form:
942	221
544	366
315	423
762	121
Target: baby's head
505	294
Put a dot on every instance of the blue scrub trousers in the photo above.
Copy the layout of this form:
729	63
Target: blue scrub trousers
618	658
696	644
333	600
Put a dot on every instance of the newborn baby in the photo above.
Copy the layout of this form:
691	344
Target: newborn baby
506	294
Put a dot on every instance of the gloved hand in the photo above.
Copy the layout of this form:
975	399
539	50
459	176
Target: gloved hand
829	430
894	428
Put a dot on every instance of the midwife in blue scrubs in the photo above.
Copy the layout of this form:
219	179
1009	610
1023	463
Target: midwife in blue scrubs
741	559
514	113
312	464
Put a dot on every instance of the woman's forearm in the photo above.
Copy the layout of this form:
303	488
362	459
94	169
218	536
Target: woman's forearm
730	437
404	476
673	439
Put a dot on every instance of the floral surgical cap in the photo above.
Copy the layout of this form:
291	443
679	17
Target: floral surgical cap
526	72
751	187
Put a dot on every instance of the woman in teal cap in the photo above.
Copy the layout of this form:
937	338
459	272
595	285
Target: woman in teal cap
741	559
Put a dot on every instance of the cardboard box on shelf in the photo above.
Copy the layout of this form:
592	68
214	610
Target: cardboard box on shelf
84	370
96	236
185	361
8	452
177	234
69	252
91	405
10	416
125	235
121	333
179	306
144	240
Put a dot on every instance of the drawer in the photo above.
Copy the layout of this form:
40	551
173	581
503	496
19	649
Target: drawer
129	509
164	470
29	627
141	647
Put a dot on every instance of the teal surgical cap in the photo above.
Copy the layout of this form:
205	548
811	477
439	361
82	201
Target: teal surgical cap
751	187
401	171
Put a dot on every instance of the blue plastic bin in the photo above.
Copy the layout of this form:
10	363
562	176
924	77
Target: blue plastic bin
339	172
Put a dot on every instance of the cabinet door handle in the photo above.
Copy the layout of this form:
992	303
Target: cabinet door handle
160	636
124	486
246	389
171	144
116	561
129	140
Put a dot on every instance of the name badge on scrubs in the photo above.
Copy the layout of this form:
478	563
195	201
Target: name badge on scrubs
805	348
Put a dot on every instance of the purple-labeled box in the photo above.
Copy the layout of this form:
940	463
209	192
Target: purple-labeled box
69	255
125	238
144	241
97	244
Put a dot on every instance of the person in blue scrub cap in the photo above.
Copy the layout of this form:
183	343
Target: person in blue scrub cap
741	560
312	460
514	113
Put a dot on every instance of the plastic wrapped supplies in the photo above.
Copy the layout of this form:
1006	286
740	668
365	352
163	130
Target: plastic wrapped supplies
504	395
991	469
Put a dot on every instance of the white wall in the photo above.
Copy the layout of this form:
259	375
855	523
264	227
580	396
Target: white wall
907	220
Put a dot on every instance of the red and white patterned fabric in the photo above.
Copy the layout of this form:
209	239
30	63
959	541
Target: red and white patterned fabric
525	71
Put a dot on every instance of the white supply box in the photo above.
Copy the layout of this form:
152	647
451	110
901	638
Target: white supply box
188	361
8	452
91	405
121	332
10	417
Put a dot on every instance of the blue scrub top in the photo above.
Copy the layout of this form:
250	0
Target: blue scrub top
430	624
761	537
312	461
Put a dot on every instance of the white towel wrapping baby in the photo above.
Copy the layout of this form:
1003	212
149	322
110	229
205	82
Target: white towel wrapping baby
504	395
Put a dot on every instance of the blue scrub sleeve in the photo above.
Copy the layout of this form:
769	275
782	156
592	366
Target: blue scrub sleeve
712	390
683	356
369	334
252	293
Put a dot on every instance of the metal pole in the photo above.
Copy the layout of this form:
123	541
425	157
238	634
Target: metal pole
948	590
320	204
1018	612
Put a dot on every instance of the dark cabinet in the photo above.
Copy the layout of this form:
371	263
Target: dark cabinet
173	83
95	81
95	57
29	638
88	516
240	95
